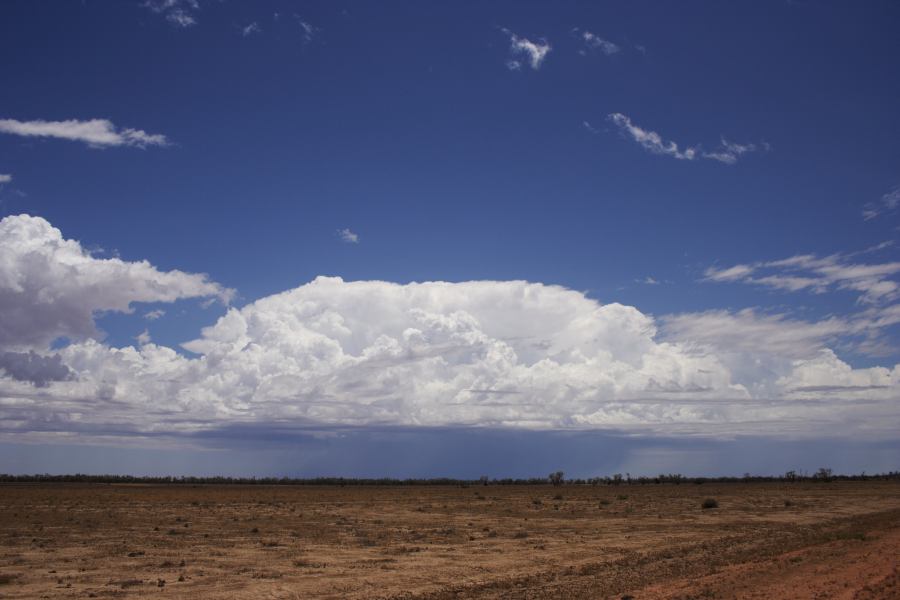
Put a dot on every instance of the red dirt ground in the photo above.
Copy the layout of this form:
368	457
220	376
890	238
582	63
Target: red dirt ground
808	540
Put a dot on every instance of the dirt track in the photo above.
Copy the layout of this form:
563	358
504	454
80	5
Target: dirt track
835	540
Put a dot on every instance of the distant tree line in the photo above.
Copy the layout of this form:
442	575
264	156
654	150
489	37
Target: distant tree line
556	478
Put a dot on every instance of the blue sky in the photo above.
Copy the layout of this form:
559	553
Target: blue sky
702	197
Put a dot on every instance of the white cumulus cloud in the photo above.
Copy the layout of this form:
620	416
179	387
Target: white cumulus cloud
5	178
335	353
97	133
51	287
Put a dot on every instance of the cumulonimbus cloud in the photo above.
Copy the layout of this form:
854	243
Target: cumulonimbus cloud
97	133
333	353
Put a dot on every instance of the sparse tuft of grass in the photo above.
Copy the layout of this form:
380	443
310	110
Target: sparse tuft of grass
302	563
849	535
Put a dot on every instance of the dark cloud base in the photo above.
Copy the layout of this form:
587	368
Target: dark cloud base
462	453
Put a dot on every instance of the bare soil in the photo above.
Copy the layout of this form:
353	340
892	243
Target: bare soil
807	540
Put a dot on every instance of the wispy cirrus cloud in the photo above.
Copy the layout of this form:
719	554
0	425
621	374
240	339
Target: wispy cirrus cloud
875	283
730	152
533	52
306	29
888	203
180	13
650	140
251	29
5	178
727	152
97	133
593	42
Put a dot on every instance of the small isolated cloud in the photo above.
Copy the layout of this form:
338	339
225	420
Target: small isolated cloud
251	29
727	152
595	42
5	178
589	127
534	52
154	314
180	13
97	133
348	236
649	281
143	338
308	31
651	140
888	203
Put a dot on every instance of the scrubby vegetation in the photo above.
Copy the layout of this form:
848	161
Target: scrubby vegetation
822	475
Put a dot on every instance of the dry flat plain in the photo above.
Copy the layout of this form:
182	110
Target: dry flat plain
765	540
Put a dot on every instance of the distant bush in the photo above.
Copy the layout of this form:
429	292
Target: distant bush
710	503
